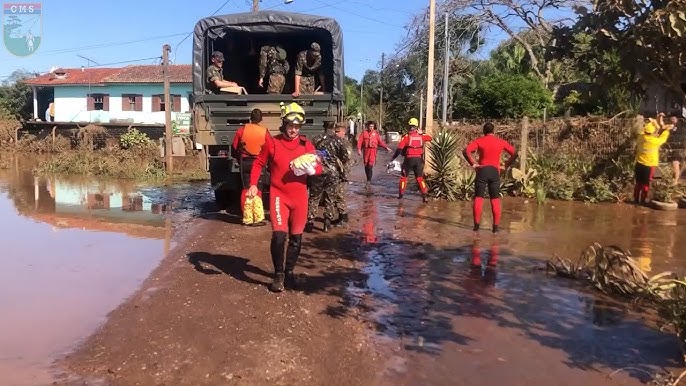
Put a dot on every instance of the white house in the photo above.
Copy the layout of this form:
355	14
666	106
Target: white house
132	94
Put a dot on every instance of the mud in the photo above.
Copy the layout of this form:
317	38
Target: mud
392	299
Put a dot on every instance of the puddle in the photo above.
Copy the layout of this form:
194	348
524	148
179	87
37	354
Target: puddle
447	302
72	252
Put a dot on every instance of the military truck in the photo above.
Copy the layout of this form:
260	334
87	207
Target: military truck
217	117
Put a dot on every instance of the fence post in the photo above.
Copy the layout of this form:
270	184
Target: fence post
524	144
638	125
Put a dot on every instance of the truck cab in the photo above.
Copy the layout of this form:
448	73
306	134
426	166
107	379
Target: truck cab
217	117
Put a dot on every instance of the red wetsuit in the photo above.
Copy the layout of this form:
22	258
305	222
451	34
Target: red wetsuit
288	192
490	149
412	147
368	143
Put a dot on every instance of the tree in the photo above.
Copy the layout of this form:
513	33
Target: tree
16	97
352	96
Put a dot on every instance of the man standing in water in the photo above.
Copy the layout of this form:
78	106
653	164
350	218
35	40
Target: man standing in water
367	146
487	169
648	155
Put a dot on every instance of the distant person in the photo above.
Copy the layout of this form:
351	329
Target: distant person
215	75
411	146
487	169
247	144
367	146
288	193
341	204
308	65
273	66
648	155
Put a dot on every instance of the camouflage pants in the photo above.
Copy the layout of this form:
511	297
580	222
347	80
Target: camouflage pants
339	197
276	83
322	188
307	85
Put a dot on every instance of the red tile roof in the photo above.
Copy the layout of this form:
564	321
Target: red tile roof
131	74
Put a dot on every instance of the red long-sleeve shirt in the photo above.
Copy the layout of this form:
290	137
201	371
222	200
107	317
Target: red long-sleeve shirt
369	136
489	148
279	151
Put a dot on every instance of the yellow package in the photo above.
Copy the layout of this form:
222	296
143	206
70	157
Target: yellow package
253	211
257	210
304	160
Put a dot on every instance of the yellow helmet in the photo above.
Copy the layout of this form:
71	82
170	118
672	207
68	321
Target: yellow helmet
413	122
293	113
650	128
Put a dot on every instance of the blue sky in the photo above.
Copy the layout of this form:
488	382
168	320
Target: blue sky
110	32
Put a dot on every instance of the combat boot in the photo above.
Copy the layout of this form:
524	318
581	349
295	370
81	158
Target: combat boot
309	226
278	282
327	225
342	220
292	254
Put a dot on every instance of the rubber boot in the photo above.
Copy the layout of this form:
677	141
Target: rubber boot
292	254
496	229
277	251
278	282
425	198
476	227
327	225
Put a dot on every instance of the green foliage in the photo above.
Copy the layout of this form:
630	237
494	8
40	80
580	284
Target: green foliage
16	101
503	96
134	138
448	182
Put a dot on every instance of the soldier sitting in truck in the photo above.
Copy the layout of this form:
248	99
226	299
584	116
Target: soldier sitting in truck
215	75
274	66
307	65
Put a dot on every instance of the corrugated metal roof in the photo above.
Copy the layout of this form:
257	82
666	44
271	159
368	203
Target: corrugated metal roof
101	76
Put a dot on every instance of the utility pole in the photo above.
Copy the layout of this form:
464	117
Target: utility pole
362	98
430	73
255	5
383	57
446	61
421	109
168	135
430	84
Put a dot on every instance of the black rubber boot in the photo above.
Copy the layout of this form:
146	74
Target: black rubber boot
425	198
309	227
292	254
496	229
476	227
278	256
327	225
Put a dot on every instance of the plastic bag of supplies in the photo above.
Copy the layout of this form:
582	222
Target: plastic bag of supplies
393	167
305	164
253	211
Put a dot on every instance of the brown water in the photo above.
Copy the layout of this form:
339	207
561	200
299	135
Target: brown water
71	252
507	322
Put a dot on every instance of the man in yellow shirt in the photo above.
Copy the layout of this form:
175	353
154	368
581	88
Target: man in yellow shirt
648	155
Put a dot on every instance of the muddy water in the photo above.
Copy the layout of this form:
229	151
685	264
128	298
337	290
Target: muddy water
71	252
454	307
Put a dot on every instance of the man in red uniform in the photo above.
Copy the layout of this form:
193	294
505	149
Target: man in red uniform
288	193
412	148
367	145
487	169
247	144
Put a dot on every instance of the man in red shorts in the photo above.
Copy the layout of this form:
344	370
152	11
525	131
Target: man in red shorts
487	169
411	147
367	146
288	193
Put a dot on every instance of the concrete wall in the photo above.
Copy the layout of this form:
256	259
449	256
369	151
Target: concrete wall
71	103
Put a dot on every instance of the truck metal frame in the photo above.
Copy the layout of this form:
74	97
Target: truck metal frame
216	118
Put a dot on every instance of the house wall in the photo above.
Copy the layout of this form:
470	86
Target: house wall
71	102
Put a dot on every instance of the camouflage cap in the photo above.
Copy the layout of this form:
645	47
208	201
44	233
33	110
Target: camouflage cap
218	55
315	47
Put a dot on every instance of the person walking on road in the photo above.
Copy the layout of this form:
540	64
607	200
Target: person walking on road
648	155
367	146
247	145
341	204
288	193
411	146
323	187
490	148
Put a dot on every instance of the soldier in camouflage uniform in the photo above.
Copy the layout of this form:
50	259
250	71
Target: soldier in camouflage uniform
307	65
215	74
324	186
340	204
273	64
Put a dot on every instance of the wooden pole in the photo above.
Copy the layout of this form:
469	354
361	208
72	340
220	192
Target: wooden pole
168	135
383	57
523	152
421	110
446	61
430	72
255	5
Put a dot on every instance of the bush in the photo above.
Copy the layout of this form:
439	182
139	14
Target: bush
134	138
446	182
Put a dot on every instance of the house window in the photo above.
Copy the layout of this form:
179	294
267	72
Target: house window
98	102
158	103
132	102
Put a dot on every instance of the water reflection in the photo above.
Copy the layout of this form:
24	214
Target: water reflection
73	250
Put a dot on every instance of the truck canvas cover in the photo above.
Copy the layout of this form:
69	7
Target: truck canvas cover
269	22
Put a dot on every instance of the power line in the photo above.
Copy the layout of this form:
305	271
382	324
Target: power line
359	15
190	33
126	61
